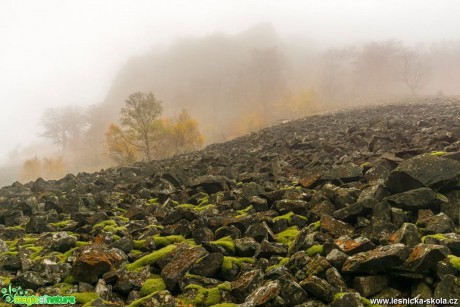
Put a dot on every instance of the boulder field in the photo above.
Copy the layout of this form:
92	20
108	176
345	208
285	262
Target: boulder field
328	210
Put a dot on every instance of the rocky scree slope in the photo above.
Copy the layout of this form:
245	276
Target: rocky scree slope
331	209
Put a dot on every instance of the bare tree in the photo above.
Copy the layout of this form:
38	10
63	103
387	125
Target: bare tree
414	72
64	125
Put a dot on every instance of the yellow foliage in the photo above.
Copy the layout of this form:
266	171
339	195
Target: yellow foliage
48	168
31	169
53	168
249	122
120	145
296	105
178	136
185	134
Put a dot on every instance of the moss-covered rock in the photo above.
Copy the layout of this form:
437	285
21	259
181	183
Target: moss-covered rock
153	284
151	258
85	297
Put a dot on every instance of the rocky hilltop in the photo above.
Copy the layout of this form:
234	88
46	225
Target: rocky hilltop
332	209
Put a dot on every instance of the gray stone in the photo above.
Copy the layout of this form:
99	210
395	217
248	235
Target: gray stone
424	171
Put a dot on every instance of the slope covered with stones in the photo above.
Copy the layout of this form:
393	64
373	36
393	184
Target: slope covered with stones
332	209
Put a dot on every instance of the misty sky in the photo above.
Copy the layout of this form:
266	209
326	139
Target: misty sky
61	52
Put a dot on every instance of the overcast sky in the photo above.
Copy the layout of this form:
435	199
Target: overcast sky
62	52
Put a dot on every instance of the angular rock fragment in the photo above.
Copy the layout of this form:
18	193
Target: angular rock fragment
408	234
335	227
209	265
425	256
424	171
422	198
246	284
347	299
370	285
264	294
319	288
448	288
180	263
353	246
377	260
92	261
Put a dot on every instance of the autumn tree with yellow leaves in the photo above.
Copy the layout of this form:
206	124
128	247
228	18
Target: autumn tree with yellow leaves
119	146
143	133
48	168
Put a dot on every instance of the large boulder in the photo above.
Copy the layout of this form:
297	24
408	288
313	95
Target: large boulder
425	170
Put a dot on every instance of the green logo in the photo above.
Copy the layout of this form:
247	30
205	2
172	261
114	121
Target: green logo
11	292
18	296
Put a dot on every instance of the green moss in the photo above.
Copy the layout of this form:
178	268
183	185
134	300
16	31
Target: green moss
365	164
438	153
315	249
442	197
282	261
245	210
186	206
105	223
314	226
67	254
140	302
11	253
36	252
286	216
28	240
5	280
70	280
203	208
63	288
138	243
438	236
224	305
152	285
203	201
225	242
121	210
136	253
153	201
287	236
151	258
365	301
338	295
61	224
228	262
85	297
454	261
165	241
208	296
81	243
